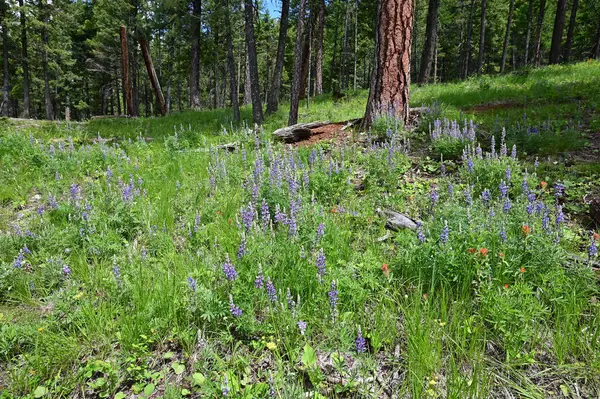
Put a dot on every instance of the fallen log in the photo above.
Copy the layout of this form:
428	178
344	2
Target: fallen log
397	221
298	132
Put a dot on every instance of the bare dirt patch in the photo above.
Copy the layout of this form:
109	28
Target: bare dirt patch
330	132
493	107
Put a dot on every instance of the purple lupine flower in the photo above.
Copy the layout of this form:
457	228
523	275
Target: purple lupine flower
247	214
468	196
513	153
109	173
26	250
503	189
302	327
333	299
493	147
560	216
18	262
242	249
559	190
321	263
271	292
470	165
117	274
290	300
254	194
503	235
592	249
280	217
486	196
259	282
225	387
450	189
265	214
445	235
507	205
196	223
536	163
531	197
508	173
191	284
443	169
525	186
66	271
74	191
420	233
360	343
434	197
229	270
320	232
546	219
233	309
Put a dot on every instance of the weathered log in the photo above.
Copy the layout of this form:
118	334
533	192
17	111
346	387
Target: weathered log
397	221
298	132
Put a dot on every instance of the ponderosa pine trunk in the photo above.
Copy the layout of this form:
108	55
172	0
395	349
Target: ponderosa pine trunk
5	105
320	26
158	94
557	32
528	34
170	78
482	36
469	37
125	71
273	96
430	38
45	19
247	82
597	50
390	79
233	89
257	114
511	10
24	62
571	30
538	37
195	56
298	62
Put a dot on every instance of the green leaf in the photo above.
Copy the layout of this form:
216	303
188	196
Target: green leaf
149	389
185	392
309	356
40	391
120	395
168	355
198	378
178	368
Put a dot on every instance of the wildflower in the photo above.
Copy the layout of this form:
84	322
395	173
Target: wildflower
525	186
225	387
508	173
333	299
360	342
66	271
271	292
191	284
468	196
420	233
596	236
592	249
470	165
321	263
483	252
247	215
559	190
117	274
503	189
229	270
320	232
513	153
434	197
505	286
445	233
385	269
543	185
522	270
526	230
259	282
18	263
486	196
242	248
560	216
265	214
471	250
450	189
507	206
503	235
74	191
302	326
536	163
233	309
501	255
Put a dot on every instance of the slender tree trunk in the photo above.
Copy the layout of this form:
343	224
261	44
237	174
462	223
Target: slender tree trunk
170	78
247	80
273	96
257	113
318	90
571	31
231	65
430	39
557	33
597	52
125	72
216	71
538	37
511	10
296	83
195	58
528	34
469	37
390	80
135	81
45	40
160	99
435	61
332	81
5	106
117	90
343	64
305	64
355	42
24	62
482	36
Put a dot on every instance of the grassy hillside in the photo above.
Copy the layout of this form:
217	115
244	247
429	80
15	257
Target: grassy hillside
139	260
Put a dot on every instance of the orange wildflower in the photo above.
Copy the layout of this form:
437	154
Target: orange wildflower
526	230
385	269
471	250
501	254
505	286
522	270
483	251
543	185
596	237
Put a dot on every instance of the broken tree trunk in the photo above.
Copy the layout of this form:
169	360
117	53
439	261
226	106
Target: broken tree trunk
160	99
125	61
298	132
396	221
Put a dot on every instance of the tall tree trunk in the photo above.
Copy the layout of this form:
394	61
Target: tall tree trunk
571	31
247	80
430	39
482	36
333	85
557	33
538	37
24	62
170	78
305	64
355	42
597	51
125	72
45	39
216	71
528	34
318	89
273	96
511	10
391	73
233	89
343	64
117	90
435	61
135	81
257	113
298	62
160	99
5	105
469	36
195	58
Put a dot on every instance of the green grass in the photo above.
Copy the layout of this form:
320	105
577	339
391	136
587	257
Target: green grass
107	234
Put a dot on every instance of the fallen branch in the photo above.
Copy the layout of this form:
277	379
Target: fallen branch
298	132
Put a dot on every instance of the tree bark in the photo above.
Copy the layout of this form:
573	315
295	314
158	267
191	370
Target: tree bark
298	62
571	31
528	34
195	57
170	78
160	99
117	90
430	38
390	80
247	80
538	38
557	33
318	89
24	62
45	14
597	52
257	114
511	10
125	71
273	96
5	105
233	89
469	36
482	36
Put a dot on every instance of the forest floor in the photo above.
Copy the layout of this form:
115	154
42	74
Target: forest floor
140	259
